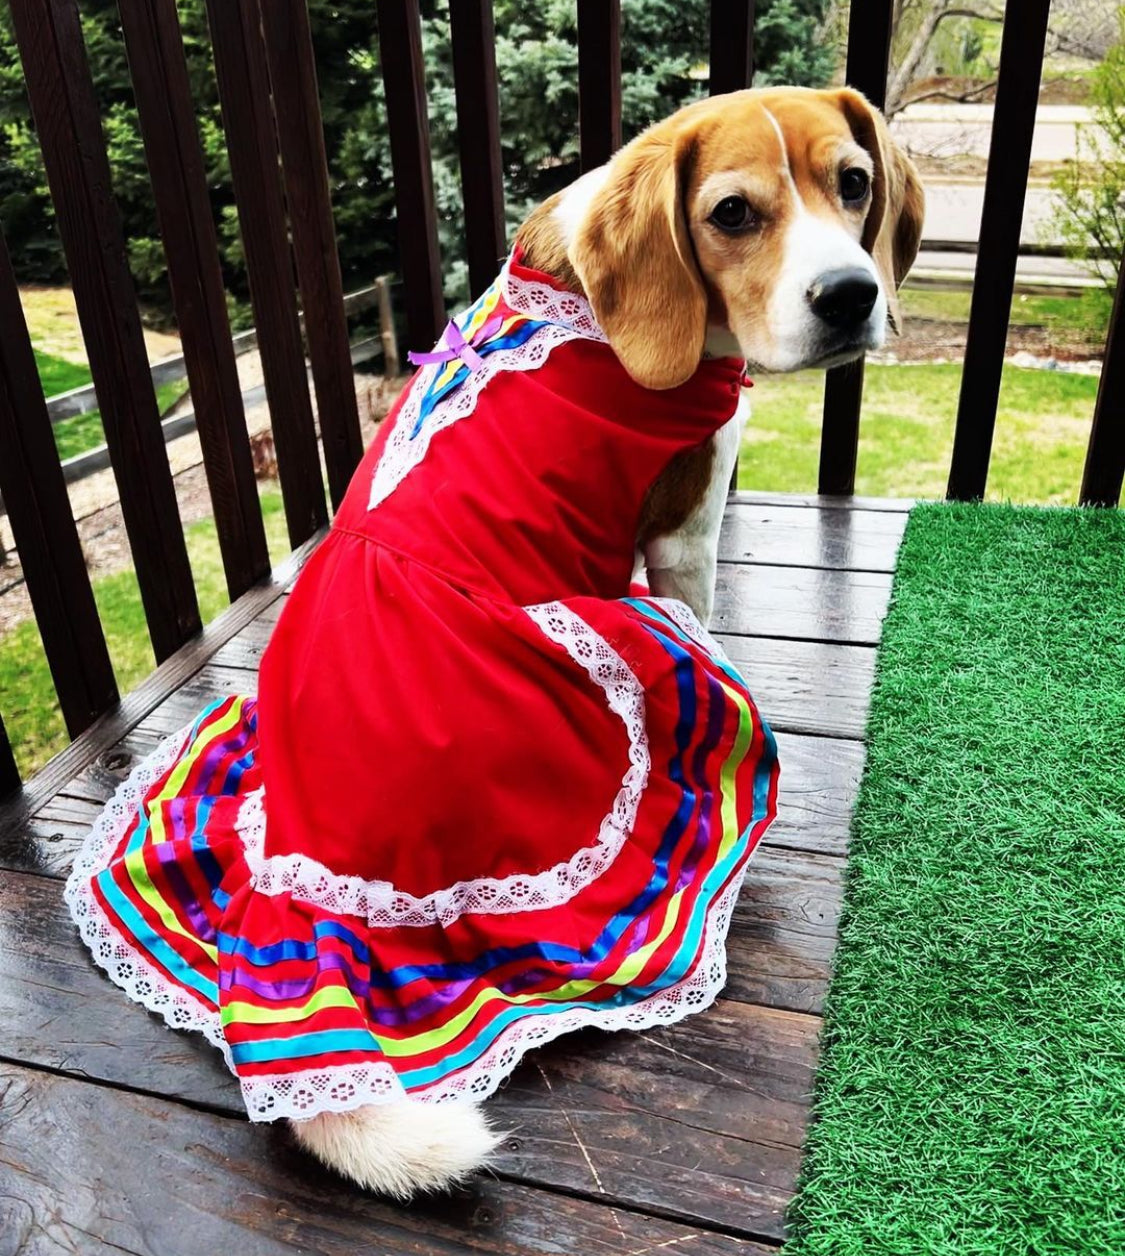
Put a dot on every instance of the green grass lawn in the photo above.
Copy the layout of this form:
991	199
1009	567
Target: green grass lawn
29	705
970	1099
1087	313
57	375
906	433
84	431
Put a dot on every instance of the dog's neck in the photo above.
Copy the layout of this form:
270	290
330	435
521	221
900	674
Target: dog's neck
546	234
543	244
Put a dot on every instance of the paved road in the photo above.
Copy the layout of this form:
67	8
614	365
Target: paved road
953	205
953	211
1044	271
958	130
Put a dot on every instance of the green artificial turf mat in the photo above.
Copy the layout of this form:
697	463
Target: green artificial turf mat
971	1093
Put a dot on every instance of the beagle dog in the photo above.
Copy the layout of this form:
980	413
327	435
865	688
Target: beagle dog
774	225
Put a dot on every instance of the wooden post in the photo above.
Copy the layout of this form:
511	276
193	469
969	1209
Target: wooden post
10	783
1105	455
1009	160
404	81
296	101
870	27
473	36
244	93
54	566
387	328
731	65
599	81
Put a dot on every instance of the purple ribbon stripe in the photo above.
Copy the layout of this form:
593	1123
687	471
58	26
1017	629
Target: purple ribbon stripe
454	345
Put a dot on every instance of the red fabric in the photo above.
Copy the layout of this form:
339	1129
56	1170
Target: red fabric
425	720
413	727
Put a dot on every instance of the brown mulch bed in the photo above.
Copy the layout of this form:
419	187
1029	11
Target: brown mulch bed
924	339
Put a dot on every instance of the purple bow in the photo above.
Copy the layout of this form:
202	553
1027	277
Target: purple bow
456	346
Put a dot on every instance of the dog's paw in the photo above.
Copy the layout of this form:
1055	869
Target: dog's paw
401	1148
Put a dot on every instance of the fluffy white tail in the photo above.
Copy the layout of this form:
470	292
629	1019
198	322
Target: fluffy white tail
401	1148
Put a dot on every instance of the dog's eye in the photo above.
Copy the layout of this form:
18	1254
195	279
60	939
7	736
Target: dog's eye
733	213
854	184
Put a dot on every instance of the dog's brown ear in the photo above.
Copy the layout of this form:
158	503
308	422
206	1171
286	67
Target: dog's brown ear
893	229
633	254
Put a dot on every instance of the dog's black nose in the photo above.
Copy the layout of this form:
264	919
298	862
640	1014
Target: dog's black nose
844	298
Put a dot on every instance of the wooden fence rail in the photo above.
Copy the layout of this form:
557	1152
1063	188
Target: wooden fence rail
1105	457
599	81
264	64
732	46
251	134
404	82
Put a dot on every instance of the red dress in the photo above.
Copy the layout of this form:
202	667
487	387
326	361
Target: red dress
484	795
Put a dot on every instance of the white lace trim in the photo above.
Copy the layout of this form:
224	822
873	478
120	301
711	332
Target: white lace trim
339	1089
569	317
681	614
141	980
383	905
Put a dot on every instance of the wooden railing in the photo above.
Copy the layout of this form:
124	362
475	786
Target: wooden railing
267	86
172	369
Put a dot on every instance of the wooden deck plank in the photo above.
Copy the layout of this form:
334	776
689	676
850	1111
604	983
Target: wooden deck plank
645	1116
699	1123
58	1011
819	780
819	777
773	600
814	687
779	949
810	604
703	1121
800	686
852	540
827	501
781	940
89	1169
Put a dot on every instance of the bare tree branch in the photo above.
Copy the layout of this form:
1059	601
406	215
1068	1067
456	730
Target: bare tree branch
932	19
960	98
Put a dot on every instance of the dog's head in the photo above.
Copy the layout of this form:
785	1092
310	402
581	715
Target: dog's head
774	224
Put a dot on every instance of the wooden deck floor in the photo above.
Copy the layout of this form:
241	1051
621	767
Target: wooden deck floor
117	1134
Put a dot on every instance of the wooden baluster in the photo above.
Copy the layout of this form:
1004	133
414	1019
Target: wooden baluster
869	49
296	102
10	782
1105	454
244	93
1009	160
34	492
599	81
175	162
732	45
473	36
404	81
731	68
67	120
